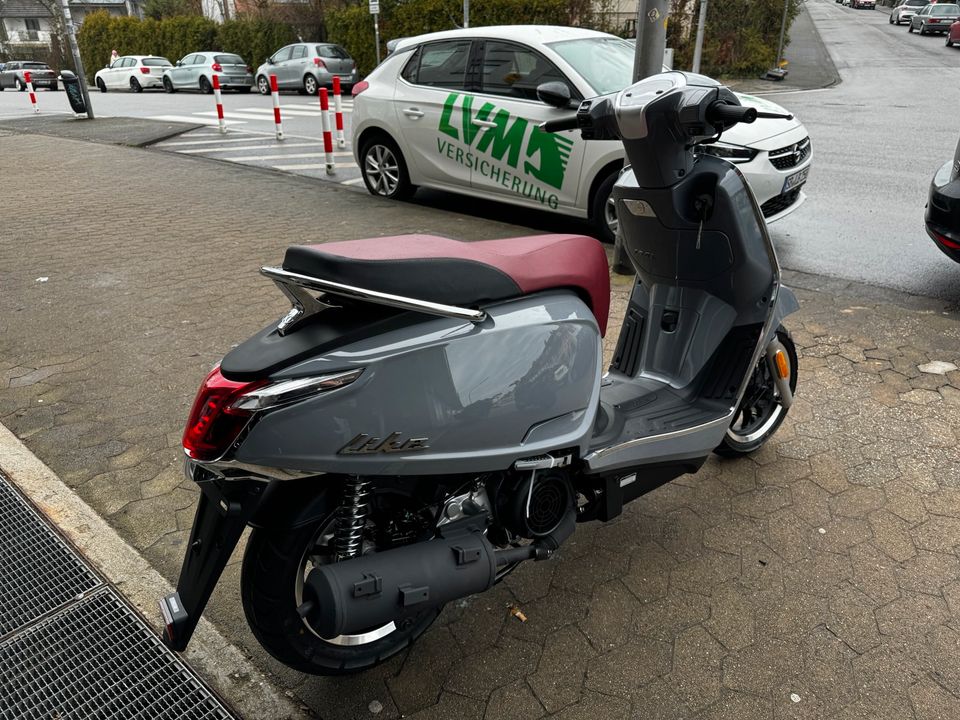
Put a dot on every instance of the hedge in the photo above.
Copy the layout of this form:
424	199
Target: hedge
172	38
352	27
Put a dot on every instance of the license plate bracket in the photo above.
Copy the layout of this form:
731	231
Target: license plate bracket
795	180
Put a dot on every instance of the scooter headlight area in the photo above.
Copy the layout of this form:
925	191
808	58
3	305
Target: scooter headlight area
432	414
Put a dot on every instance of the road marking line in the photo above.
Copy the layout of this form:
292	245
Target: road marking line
320	166
286	111
235	114
193	119
248	148
208	142
296	156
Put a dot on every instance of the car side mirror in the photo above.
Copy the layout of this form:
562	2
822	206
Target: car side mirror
270	61
178	63
554	93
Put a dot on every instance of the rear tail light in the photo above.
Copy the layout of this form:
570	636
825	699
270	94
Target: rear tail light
214	423
217	67
360	87
319	63
223	407
945	241
145	70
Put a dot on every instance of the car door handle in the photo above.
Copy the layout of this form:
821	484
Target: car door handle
413	112
485	123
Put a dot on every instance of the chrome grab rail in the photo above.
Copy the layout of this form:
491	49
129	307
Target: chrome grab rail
305	305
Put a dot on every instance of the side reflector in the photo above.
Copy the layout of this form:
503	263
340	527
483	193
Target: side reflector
782	364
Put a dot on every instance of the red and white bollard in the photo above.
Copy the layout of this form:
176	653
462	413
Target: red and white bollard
275	92
33	95
216	96
327	135
338	113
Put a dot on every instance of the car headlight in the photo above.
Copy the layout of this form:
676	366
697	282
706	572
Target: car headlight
733	153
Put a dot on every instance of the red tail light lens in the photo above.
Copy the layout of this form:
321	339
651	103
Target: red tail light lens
213	423
319	63
145	70
217	67
359	87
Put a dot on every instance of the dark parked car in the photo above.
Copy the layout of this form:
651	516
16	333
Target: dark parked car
40	73
943	208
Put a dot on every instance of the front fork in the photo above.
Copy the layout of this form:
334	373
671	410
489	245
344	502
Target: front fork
223	512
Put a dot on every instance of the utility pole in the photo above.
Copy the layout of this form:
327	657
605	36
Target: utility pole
466	13
701	26
647	61
75	51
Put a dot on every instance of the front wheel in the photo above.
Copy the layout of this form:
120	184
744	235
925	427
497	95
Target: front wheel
384	169
310	86
20	85
760	412
101	85
168	86
275	564
603	210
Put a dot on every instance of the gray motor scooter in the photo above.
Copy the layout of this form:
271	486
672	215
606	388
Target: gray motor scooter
430	414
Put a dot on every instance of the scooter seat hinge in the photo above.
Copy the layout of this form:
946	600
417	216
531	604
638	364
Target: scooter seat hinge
543	462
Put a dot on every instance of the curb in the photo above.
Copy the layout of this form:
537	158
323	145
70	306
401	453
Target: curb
245	688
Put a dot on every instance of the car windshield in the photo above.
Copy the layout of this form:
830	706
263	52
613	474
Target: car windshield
945	10
604	62
229	59
332	51
157	62
35	66
916	3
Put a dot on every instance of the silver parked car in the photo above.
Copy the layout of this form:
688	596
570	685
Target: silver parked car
906	10
935	18
195	72
308	66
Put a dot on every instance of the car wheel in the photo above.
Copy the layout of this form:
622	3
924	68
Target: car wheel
384	169
910	27
205	87
310	86
603	210
168	86
948	42
18	83
54	87
263	85
101	85
135	86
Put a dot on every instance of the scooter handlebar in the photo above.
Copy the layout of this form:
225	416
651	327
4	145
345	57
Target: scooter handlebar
721	113
560	124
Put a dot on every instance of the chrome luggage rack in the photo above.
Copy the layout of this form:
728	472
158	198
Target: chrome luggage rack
294	286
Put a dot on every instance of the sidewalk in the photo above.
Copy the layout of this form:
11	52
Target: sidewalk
818	579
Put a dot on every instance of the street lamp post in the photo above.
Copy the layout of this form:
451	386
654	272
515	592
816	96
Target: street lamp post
75	51
701	26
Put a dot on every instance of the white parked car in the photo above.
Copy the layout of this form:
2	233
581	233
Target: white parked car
459	111
132	72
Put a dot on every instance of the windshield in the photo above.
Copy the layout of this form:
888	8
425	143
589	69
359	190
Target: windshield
945	10
604	62
332	51
916	3
157	62
229	59
35	66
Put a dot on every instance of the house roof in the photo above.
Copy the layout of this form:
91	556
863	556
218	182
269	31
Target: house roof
34	9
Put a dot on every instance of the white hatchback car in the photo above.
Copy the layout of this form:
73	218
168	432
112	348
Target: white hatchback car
132	72
459	111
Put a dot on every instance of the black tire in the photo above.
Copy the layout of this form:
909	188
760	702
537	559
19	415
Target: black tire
54	88
948	42
19	84
735	443
910	27
600	209
374	157
135	86
269	587
921	30
168	86
205	87
310	85
263	85
101	85
890	19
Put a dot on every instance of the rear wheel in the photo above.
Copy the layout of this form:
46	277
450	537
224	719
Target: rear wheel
760	412
101	85
310	86
384	169
205	87
20	85
263	85
276	563
168	85
135	85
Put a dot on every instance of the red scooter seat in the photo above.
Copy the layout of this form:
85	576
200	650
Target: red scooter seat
437	269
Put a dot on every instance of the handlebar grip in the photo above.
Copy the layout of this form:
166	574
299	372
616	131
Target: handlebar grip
728	114
564	123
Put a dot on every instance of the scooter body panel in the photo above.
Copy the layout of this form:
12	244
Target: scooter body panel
444	396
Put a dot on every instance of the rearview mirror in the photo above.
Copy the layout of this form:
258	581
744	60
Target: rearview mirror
179	63
270	61
554	93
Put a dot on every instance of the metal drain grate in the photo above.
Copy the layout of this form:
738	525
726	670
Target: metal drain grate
38	571
97	660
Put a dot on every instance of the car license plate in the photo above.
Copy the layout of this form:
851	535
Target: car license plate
796	179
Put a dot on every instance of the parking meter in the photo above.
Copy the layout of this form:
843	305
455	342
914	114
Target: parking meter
71	85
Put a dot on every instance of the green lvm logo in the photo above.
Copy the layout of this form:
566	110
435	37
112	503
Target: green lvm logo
511	139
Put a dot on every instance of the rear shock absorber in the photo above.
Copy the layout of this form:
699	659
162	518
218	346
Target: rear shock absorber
348	539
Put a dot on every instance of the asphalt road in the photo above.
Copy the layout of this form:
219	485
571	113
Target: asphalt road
878	138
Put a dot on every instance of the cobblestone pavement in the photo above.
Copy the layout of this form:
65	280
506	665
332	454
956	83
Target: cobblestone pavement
817	579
